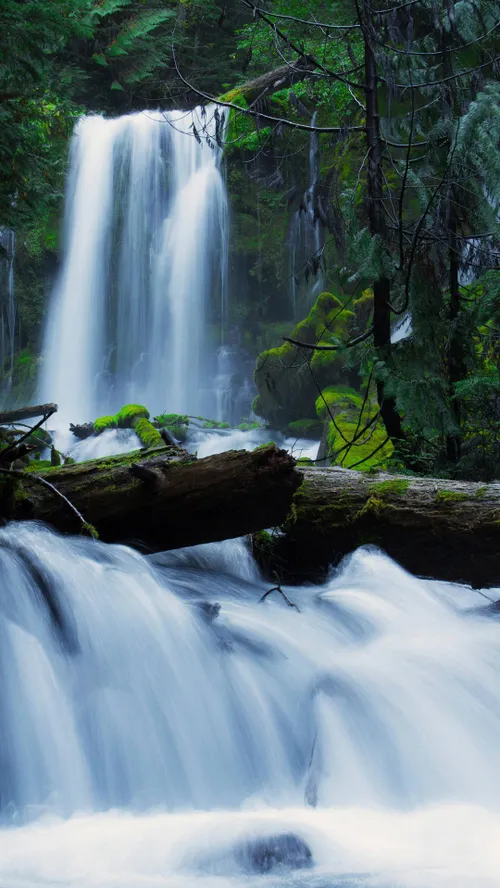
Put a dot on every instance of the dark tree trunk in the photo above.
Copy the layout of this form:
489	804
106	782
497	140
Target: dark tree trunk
375	188
455	353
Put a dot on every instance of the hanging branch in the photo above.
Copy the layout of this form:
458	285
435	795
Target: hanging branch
361	338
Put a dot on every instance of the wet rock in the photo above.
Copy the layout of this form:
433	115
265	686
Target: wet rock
209	609
270	852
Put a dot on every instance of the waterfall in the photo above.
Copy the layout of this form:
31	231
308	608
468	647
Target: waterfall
143	269
159	725
305	239
7	308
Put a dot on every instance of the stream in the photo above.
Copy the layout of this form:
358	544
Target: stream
169	729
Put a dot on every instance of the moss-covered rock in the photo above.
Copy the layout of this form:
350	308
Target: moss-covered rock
128	415
306	428
351	447
335	399
104	423
287	377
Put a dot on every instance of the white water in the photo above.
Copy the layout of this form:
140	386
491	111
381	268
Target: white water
305	240
145	742
144	262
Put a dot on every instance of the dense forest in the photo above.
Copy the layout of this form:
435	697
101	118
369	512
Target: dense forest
361	150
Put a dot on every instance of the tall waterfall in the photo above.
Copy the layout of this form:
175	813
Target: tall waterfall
305	240
144	266
160	726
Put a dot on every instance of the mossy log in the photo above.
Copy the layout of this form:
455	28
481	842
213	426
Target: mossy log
162	498
272	81
442	529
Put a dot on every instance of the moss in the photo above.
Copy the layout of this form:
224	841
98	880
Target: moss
90	530
39	465
176	423
257	405
306	428
104	423
481	491
246	426
128	415
214	424
336	398
305	461
55	457
394	487
147	434
287	388
450	496
170	419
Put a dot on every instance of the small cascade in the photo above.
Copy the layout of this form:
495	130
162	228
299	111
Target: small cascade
305	239
144	264
7	309
159	724
234	391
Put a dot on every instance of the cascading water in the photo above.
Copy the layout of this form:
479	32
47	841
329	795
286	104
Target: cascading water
144	262
7	309
161	727
305	239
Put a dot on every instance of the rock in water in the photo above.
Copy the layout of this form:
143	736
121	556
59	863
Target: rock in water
265	854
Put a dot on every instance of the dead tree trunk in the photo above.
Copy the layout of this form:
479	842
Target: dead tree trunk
163	498
441	529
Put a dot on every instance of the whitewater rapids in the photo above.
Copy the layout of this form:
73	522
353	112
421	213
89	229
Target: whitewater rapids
156	719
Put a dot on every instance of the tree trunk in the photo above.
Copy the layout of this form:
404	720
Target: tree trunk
162	498
272	81
442	529
375	188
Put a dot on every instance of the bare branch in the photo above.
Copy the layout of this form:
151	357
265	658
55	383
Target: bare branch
361	338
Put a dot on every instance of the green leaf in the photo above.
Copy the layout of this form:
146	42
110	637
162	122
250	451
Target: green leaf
116	85
100	59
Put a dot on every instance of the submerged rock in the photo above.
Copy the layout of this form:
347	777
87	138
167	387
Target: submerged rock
269	852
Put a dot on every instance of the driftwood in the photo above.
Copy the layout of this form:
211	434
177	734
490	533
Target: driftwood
9	416
162	498
442	529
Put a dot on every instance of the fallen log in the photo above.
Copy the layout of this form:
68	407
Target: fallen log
9	416
162	498
441	529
